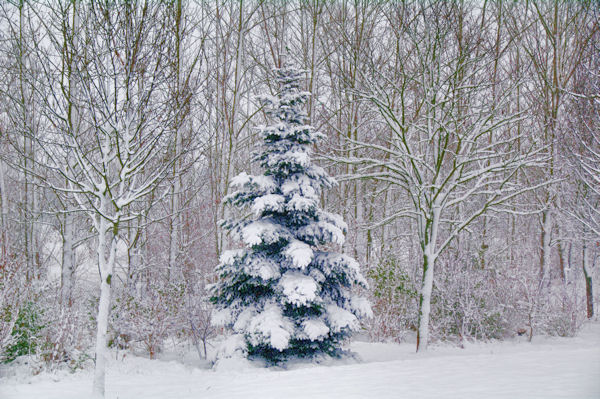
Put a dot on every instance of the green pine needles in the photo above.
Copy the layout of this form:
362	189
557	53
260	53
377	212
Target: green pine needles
25	333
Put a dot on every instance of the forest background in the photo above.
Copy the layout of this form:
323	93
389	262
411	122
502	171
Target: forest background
465	137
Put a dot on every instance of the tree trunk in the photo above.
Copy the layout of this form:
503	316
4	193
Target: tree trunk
561	261
589	295
545	243
134	256
425	299
27	132
106	261
3	214
173	227
68	256
68	261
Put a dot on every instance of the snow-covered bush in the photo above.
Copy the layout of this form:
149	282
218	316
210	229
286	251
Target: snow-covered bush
12	288
35	322
395	300
286	292
467	303
196	314
67	334
147	317
556	308
26	332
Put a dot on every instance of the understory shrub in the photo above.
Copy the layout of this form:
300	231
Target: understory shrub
394	300
26	332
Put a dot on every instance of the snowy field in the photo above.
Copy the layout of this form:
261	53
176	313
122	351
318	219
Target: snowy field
546	368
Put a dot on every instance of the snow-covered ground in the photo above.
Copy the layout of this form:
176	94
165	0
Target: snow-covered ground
546	368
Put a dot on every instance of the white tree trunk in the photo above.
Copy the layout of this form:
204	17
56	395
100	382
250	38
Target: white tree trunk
430	234
3	208
106	261
174	226
68	261
135	258
425	299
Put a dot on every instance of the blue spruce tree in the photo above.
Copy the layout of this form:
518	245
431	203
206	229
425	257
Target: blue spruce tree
285	294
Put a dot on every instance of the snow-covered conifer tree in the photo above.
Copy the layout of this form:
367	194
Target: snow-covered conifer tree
286	294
